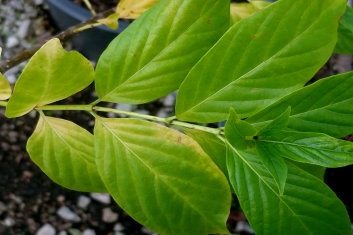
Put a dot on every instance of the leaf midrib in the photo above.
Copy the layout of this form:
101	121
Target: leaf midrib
265	183
153	171
154	57
255	69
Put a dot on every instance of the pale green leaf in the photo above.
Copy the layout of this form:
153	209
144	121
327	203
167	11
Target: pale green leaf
236	73
152	56
307	206
64	151
324	107
212	145
52	74
345	33
237	131
307	147
5	89
161	177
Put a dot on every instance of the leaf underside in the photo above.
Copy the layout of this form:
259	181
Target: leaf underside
5	89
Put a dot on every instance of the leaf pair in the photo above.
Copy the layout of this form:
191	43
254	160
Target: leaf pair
161	177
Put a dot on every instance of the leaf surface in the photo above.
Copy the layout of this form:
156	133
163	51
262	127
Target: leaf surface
345	33
52	74
5	89
213	146
242	10
307	147
307	206
161	177
324	107
235	73
152	56
64	151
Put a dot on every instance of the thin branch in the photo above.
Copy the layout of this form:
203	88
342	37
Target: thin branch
63	36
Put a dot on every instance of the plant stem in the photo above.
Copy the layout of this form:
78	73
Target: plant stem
169	121
90	108
65	107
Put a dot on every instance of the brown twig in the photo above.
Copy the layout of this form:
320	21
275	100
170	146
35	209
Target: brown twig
63	36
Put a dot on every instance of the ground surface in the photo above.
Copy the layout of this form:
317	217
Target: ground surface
32	204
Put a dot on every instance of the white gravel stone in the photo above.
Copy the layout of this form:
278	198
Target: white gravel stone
9	222
118	227
101	197
109	216
169	100
244	227
89	232
23	28
46	229
12	42
126	107
62	233
66	214
38	2
83	202
147	231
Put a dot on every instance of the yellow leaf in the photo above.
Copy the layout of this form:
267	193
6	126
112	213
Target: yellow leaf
131	9
111	21
240	11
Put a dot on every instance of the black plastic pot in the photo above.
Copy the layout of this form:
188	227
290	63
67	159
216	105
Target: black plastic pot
91	42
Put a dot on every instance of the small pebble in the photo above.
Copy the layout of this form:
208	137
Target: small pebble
101	197
23	29
66	214
9	222
83	202
12	42
62	233
118	227
109	216
243	227
147	231
46	229
89	232
169	100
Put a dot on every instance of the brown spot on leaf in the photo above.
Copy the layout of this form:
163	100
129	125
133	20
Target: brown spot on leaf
179	139
209	22
255	36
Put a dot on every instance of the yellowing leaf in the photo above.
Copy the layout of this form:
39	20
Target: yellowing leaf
131	9
5	89
51	75
111	21
242	10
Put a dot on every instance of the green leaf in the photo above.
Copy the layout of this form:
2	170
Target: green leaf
277	125
213	146
64	151
317	171
307	206
345	33
5	89
161	177
237	131
274	163
52	74
152	57
313	148
236	73
324	107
